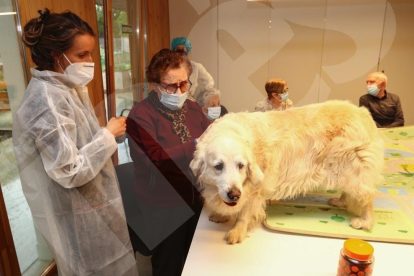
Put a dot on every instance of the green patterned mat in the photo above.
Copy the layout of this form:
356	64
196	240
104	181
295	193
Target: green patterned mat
393	205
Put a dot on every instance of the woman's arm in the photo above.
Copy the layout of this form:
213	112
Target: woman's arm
55	134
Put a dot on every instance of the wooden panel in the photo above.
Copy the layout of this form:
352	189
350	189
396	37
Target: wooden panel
51	270
158	26
86	10
134	21
9	265
141	53
109	64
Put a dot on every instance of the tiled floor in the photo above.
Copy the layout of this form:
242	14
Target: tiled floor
37	268
18	211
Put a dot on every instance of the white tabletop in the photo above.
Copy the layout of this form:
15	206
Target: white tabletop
266	252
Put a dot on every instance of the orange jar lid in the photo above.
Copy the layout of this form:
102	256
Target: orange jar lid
358	249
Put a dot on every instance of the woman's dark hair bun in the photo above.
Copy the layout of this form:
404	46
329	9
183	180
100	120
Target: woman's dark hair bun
33	29
51	34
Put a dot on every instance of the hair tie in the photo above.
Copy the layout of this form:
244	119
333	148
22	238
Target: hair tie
42	16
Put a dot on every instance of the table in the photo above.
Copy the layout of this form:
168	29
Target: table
275	253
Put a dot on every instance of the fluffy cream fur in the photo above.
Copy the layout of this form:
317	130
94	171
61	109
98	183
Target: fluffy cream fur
246	158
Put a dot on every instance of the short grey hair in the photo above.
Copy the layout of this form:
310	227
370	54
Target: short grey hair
203	97
381	76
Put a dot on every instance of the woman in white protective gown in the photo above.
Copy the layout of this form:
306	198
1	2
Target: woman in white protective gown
64	156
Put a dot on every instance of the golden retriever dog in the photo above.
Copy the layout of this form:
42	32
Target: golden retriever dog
243	159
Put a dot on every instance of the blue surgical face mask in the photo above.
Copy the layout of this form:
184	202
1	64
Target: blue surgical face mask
173	101
213	113
373	90
284	96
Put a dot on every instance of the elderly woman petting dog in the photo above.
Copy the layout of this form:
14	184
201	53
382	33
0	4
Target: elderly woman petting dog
162	131
277	96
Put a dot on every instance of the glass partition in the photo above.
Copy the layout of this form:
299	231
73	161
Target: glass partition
32	252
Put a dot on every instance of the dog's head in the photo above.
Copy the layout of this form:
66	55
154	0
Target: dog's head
225	164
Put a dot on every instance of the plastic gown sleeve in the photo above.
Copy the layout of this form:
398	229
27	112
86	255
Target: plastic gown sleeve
69	166
206	79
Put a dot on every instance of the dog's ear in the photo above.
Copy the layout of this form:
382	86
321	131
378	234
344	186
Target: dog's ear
197	165
254	172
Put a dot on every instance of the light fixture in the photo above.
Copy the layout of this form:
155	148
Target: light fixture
7	13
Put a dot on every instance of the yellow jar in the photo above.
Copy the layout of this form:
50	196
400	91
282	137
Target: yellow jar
356	258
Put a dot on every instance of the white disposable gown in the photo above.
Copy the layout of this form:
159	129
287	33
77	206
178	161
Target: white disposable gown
201	80
69	180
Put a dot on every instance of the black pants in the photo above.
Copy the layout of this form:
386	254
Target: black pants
163	232
168	255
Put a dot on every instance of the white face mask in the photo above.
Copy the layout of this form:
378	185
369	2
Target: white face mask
284	97
173	101
373	90
81	73
213	112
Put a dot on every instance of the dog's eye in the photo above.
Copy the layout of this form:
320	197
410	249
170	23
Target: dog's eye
240	165
219	166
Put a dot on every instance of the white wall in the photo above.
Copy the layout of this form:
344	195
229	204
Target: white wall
324	49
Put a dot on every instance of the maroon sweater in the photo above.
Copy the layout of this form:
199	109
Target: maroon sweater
162	176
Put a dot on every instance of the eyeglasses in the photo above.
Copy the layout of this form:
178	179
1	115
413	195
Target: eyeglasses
284	91
172	89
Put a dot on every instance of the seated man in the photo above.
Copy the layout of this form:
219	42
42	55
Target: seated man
385	108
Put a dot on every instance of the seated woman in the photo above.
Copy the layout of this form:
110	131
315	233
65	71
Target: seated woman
209	101
163	131
277	96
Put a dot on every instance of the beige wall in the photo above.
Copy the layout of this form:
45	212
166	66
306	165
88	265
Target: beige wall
323	49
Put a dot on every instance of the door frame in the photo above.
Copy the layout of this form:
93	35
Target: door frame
9	264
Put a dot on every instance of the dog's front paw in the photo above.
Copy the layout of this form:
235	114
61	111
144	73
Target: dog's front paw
235	236
359	223
337	202
218	218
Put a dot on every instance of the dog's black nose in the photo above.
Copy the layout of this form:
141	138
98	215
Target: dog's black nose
234	194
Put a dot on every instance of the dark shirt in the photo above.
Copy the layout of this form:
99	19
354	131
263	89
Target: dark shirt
223	111
161	161
386	112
